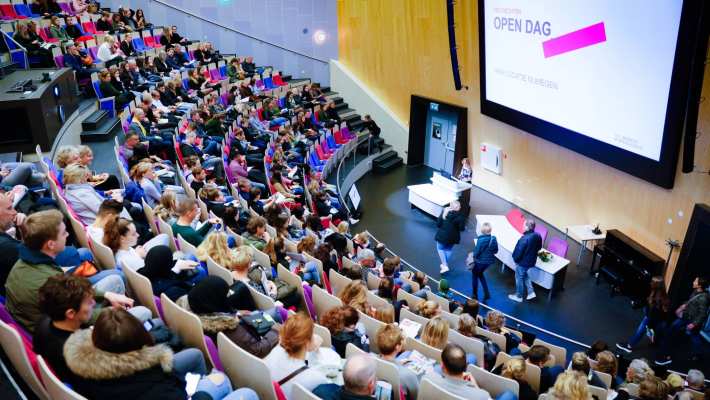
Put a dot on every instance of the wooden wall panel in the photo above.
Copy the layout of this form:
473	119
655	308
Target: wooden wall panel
400	47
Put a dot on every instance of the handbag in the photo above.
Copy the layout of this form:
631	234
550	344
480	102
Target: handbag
258	322
471	261
85	269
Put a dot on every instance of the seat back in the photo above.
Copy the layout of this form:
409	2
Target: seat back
492	383
298	392
560	353
412	300
324	333
337	280
496	338
542	230
418	345
532	372
597	392
469	344
405	313
142	289
79	231
17	352
261	258
262	301
558	246
187	325
150	217
165	228
372	326
215	269
373	281
56	389
516	218
103	254
452	319
429	390
323	301
185	246
292	279
257	376
443	303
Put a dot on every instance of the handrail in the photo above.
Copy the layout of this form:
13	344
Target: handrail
258	39
8	36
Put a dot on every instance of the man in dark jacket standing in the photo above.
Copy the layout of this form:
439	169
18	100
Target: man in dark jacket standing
525	256
691	316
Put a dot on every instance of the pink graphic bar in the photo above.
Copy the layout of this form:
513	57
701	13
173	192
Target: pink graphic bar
572	41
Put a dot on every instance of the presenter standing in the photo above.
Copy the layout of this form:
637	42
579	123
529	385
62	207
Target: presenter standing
483	256
451	222
525	256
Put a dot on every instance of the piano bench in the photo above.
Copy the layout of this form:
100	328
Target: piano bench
612	277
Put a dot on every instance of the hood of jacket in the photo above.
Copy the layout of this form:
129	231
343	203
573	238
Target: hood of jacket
89	362
34	257
218	322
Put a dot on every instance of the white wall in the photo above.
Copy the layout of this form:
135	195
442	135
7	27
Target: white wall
360	98
278	22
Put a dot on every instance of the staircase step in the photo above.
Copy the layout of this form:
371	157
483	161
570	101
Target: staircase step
325	90
102	133
386	156
351	118
94	120
286	78
357	125
338	100
388	165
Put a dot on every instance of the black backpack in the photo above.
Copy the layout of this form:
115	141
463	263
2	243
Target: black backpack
490	352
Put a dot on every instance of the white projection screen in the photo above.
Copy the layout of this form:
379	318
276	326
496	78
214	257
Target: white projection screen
606	78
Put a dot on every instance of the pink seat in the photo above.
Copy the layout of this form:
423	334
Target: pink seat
515	217
558	246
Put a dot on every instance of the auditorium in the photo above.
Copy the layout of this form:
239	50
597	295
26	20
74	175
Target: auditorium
355	199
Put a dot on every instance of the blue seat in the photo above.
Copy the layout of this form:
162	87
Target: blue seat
223	71
24	9
139	45
269	83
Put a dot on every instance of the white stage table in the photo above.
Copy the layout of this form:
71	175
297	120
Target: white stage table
550	275
433	197
584	234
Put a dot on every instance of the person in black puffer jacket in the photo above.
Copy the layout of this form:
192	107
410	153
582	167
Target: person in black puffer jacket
451	222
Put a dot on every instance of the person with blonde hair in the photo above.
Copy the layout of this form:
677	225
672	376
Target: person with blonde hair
390	341
102	181
483	256
467	325
165	209
296	341
109	53
580	363
516	369
385	314
570	385
215	246
450	223
429	309
355	295
435	333
82	197
495	322
650	388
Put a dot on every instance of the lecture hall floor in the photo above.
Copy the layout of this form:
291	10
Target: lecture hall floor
583	311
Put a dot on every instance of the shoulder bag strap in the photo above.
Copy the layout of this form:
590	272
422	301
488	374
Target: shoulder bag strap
292	375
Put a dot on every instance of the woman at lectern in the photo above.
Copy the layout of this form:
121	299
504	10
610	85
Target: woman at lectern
451	222
466	173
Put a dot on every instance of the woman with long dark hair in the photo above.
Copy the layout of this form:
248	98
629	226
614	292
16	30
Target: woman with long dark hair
657	314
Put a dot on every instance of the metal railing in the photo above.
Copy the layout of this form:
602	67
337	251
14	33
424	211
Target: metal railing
238	32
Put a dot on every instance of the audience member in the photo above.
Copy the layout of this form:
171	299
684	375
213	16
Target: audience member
342	322
570	385
453	377
359	380
515	369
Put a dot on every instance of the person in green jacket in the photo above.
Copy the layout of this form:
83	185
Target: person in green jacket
257	235
187	211
57	31
234	70
45	237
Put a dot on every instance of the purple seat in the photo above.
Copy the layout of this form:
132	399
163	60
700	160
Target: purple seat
542	231
214	353
558	247
59	61
8	319
159	306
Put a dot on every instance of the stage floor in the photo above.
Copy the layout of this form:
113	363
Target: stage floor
583	311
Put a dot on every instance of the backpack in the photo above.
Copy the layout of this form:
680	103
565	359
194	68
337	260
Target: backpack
257	276
490	352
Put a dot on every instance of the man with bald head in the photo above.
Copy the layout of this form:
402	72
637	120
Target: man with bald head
359	378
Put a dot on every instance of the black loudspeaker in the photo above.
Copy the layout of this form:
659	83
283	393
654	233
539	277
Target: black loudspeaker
695	88
693	260
452	44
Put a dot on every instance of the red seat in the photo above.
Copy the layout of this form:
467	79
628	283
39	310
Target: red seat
9	11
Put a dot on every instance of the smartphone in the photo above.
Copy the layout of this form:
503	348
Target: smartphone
383	390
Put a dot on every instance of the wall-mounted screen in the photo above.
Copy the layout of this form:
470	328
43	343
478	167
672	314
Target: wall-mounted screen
605	78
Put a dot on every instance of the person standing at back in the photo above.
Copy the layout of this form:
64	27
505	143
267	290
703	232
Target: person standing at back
525	256
451	222
483	256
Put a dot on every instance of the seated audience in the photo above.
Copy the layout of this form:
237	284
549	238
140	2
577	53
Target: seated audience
495	322
570	385
359	380
296	341
540	355
580	363
695	380
209	300
257	235
82	197
174	278
607	363
342	323
515	369
188	211
121	237
390	341
44	239
453	377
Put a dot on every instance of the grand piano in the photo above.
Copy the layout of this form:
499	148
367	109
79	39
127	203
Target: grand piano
627	266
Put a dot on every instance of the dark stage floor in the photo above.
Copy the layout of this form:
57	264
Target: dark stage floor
583	312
